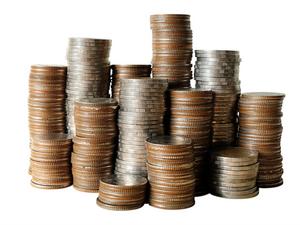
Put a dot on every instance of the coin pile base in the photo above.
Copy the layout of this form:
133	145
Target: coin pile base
122	192
172	46
140	116
124	72
218	71
94	143
260	129
88	72
234	173
50	165
191	116
170	164
46	101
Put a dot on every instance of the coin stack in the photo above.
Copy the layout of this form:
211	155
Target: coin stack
191	113
50	165
170	164
172	48
260	129
46	102
140	116
94	143
88	72
234	172
127	71
122	192
218	71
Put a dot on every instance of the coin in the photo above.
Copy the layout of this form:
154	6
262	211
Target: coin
172	48
260	129
170	165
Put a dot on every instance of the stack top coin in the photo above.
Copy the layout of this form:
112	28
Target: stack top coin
96	102
89	41
266	95
124	180
169	141
130	66
47	67
235	153
197	91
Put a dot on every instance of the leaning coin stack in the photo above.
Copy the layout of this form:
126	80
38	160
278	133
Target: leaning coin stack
122	192
170	164
140	116
191	113
127	71
94	143
88	72
46	102
50	165
218	71
172	47
234	173
260	129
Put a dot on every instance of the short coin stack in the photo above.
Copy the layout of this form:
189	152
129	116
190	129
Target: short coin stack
234	173
260	129
46	101
50	165
88	72
94	143
127	71
140	116
172	46
122	192
191	113
218	71
170	163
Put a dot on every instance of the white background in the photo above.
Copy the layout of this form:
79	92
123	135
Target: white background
265	32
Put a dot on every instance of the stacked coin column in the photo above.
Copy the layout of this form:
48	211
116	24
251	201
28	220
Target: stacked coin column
88	72
94	143
140	116
191	116
122	192
46	101
50	165
260	129
219	71
170	163
127	71
234	173
172	47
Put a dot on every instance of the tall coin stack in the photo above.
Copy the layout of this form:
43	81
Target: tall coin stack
172	47
140	116
170	164
50	165
191	113
88	72
122	192
46	102
234	173
127	71
260	129
218	71
94	143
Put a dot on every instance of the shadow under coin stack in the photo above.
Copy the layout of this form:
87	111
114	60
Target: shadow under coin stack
234	172
50	165
94	143
218	71
141	114
46	102
170	164
260	129
88	72
191	116
122	192
172	48
127	71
